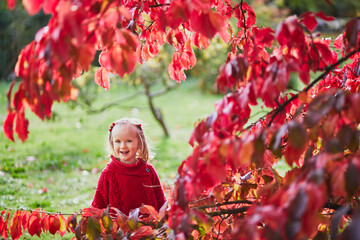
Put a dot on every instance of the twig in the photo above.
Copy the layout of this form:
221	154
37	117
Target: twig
243	14
41	211
223	204
201	199
159	5
228	211
327	71
155	111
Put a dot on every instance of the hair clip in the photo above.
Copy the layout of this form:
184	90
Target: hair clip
139	126
111	127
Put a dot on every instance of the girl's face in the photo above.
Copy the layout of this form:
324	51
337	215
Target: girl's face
125	142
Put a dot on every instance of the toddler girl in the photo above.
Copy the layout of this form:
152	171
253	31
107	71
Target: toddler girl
128	181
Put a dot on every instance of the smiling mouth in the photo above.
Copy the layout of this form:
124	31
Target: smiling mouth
124	152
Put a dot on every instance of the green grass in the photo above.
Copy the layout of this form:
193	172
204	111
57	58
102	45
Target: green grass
66	154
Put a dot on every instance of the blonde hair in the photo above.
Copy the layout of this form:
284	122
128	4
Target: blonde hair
144	151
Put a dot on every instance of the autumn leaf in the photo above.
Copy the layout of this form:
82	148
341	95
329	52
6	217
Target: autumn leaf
207	23
15	225
309	20
102	78
3	230
240	13
21	125
34	224
143	232
106	222
11	4
121	57
71	222
9	125
54	224
45	222
289	33
122	220
179	11
93	229
50	6
33	6
25	219
148	213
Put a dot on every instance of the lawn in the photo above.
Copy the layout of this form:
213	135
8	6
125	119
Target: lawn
58	166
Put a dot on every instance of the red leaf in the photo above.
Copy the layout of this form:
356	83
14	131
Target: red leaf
148	213
176	70
9	126
207	23
47	102
292	154
3	232
1	221
324	17
265	36
178	12
45	222
122	220
34	224
102	78
145	232
33	6
339	42
249	20
200	41
50	6
352	34
11	4
15	226
21	125
290	33
121	57
8	94
309	21
86	55
54	224
25	219
22	64
71	222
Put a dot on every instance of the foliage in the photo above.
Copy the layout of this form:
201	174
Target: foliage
227	188
109	223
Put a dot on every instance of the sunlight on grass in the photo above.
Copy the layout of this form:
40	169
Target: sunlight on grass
58	166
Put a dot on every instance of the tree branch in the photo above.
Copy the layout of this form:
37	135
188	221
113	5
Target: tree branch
223	204
243	15
165	90
41	211
159	5
228	211
327	71
156	112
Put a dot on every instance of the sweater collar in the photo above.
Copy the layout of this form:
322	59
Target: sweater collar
129	169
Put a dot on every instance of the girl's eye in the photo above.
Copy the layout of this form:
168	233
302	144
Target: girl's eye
129	141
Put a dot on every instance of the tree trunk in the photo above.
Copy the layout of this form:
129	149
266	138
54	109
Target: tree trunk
155	111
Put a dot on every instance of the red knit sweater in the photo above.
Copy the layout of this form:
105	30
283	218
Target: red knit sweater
128	186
